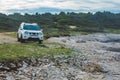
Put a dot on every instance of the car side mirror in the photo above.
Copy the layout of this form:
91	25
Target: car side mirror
41	30
21	29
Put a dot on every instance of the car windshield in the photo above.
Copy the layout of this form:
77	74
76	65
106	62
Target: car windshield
31	27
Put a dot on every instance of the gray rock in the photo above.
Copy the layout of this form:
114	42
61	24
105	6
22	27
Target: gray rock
80	41
94	67
117	57
10	77
63	40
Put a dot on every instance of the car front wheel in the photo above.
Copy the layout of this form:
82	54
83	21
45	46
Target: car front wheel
21	39
40	41
18	39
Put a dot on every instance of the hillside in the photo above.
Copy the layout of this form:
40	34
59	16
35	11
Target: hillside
55	23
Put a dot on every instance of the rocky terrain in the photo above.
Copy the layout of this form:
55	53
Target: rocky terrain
97	57
102	52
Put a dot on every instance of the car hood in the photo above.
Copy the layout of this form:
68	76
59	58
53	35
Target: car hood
33	31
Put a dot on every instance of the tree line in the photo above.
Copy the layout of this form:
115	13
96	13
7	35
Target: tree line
83	21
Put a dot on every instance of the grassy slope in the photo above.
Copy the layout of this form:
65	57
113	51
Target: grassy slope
32	49
16	51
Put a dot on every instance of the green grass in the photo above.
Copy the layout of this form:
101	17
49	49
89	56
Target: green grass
78	32
28	50
32	49
116	31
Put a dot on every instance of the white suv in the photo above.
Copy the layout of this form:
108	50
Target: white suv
29	31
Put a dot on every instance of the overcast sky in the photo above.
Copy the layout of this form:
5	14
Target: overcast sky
33	6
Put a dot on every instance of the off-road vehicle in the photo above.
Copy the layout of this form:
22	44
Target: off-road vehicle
29	31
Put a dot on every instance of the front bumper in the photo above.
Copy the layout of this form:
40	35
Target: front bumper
34	38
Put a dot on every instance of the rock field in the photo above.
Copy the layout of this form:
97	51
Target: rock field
97	57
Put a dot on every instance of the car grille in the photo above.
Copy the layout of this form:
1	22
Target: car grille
33	34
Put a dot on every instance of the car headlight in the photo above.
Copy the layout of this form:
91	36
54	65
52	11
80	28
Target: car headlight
26	33
40	33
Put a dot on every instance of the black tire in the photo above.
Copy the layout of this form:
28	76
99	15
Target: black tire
21	39
40	41
18	39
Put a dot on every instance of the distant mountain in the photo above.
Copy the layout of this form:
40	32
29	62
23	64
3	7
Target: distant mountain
43	10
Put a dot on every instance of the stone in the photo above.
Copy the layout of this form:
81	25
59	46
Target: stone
80	41
117	57
10	77
94	67
63	40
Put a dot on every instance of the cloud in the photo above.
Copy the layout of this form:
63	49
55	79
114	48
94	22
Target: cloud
79	5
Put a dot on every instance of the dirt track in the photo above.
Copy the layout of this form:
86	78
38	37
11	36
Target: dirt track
6	39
